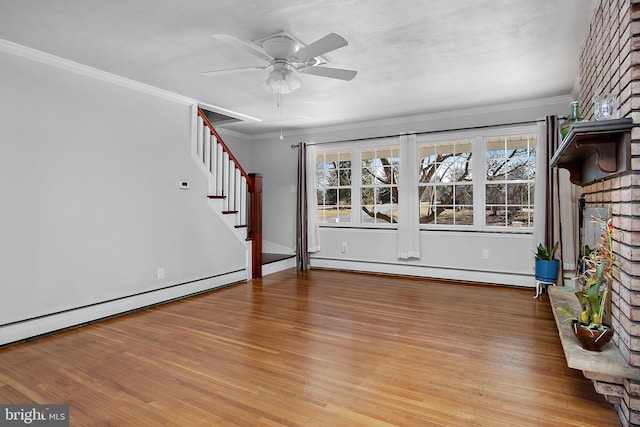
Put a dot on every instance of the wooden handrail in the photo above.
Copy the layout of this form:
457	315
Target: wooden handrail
221	142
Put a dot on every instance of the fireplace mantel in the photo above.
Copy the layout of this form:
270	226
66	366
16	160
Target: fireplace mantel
609	362
595	150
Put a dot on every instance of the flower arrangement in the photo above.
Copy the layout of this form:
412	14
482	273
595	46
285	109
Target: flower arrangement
596	281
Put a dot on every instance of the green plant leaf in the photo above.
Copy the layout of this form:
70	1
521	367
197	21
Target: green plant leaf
567	312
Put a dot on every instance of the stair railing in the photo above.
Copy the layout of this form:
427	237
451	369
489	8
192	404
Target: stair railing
241	193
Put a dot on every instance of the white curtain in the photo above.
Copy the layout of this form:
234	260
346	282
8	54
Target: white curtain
567	208
408	206
313	239
540	202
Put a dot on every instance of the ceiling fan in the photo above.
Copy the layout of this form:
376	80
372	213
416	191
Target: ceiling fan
285	56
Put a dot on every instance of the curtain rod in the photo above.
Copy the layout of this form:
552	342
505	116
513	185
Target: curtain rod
529	122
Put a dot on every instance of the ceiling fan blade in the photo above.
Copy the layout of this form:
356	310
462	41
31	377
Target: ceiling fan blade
321	46
334	73
234	70
243	45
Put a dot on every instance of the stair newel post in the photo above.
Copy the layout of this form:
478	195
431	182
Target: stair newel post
255	222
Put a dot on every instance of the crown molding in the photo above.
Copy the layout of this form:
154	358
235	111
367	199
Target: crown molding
75	67
405	121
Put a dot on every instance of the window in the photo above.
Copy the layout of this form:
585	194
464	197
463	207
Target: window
333	183
509	183
445	186
379	185
477	179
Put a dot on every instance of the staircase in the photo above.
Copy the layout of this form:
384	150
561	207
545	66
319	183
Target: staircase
233	193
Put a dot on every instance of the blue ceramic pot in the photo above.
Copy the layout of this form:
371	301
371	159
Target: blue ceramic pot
547	271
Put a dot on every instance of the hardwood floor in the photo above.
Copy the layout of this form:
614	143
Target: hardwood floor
319	348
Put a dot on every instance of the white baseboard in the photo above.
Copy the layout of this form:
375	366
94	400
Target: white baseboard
274	267
42	325
273	248
423	271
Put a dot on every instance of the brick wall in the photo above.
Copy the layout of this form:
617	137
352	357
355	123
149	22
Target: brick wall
610	63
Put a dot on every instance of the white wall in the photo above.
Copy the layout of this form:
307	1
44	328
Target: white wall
241	147
450	255
91	209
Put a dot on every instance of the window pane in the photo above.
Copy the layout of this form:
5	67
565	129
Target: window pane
448	161
345	196
496	215
445	182
444	194
425	195
510	169
379	184
496	194
367	196
464	215
517	194
445	215
464	195
333	181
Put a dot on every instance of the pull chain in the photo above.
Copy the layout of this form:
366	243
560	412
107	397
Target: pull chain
280	104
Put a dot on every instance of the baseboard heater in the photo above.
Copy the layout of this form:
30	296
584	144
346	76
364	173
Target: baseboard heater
31	328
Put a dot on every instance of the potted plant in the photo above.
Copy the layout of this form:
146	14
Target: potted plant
546	263
595	285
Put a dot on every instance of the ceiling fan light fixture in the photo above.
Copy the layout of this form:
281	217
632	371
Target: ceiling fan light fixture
282	81
275	81
292	81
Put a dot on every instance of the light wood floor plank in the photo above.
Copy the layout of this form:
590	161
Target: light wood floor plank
319	348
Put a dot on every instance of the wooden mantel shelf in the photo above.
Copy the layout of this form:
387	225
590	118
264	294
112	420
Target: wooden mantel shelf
595	150
607	362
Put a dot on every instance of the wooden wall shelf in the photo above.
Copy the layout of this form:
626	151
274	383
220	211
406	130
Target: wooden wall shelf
608	362
595	150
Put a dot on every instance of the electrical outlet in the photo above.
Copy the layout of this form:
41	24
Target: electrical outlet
485	254
343	247
161	273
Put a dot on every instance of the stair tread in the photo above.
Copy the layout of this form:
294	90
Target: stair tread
268	258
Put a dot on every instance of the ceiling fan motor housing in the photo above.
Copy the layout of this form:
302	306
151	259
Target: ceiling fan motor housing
280	47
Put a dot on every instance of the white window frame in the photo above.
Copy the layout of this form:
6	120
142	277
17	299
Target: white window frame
477	136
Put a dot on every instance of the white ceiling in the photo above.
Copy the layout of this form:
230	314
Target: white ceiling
412	56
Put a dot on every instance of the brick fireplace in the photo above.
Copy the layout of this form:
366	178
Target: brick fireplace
610	63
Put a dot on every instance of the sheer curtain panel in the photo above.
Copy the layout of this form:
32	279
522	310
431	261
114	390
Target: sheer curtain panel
408	206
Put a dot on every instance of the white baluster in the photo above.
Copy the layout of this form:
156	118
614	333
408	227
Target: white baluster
242	218
201	127
225	185
214	152
219	171
230	177
207	149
